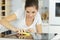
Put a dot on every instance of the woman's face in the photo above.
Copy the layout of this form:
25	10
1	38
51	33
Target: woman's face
31	12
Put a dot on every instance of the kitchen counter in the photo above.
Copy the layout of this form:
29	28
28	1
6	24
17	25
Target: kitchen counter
57	37
14	36
13	39
33	36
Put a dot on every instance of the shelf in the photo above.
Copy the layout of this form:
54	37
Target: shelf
2	10
5	5
5	8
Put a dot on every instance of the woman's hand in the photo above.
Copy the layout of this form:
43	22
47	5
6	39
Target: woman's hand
21	31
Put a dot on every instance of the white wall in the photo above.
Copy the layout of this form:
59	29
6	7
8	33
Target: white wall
16	4
46	3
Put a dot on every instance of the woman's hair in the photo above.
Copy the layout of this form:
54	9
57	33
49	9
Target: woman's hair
30	3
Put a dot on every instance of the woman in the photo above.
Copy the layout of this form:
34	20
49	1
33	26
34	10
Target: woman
29	21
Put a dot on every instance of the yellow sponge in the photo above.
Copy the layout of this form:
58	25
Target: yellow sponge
26	34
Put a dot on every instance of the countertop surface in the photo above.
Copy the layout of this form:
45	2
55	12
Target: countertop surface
43	36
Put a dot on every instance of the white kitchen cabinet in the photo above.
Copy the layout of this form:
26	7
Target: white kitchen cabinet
54	29
45	27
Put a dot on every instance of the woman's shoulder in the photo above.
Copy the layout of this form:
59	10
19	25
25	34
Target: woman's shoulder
38	18
38	15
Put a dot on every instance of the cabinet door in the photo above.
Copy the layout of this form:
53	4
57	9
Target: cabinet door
45	28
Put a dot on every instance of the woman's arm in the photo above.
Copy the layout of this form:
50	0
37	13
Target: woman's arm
11	17
39	28
5	22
